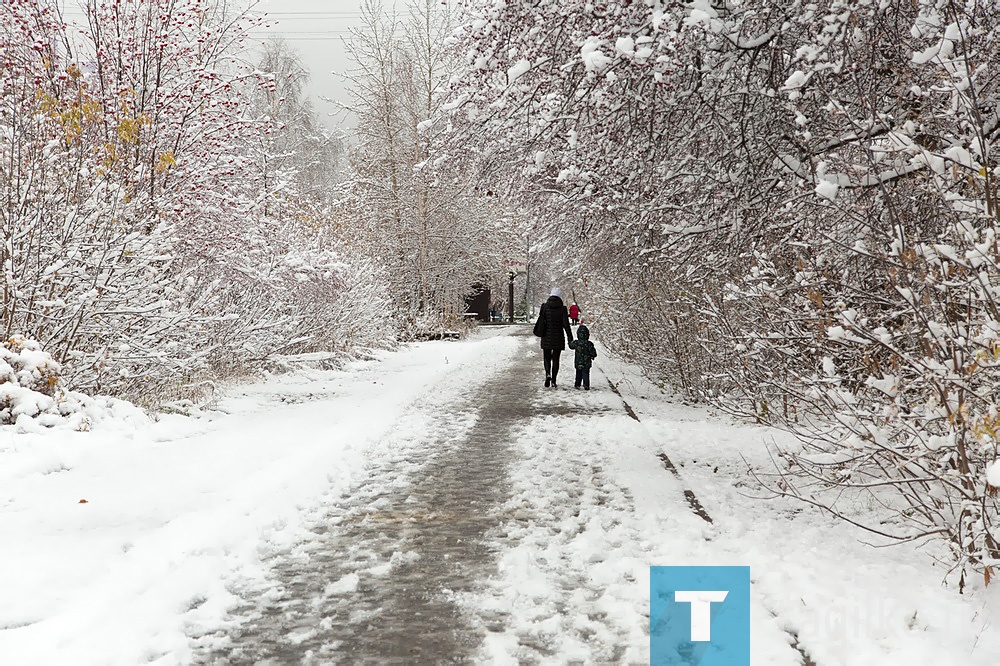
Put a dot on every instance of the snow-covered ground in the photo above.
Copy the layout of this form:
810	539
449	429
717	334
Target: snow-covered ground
180	512
176	509
594	508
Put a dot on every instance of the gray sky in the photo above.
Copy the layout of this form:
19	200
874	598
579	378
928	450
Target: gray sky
316	30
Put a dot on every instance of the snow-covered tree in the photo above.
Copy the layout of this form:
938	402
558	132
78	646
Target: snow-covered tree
138	245
789	209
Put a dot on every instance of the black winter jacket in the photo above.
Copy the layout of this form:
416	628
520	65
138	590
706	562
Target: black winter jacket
556	319
586	352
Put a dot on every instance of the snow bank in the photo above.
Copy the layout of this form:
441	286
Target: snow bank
32	397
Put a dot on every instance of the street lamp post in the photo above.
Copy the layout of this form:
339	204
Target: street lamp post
510	295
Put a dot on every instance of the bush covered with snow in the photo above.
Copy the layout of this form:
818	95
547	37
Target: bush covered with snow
32	395
158	250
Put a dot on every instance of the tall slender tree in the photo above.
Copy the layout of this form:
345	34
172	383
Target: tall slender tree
439	235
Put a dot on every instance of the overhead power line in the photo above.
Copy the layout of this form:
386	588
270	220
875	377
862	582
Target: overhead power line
307	13
289	16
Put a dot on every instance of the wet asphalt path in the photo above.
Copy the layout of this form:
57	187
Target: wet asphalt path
335	603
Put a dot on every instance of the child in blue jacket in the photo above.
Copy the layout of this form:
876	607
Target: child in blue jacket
585	355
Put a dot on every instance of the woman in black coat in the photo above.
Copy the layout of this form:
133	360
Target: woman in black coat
553	322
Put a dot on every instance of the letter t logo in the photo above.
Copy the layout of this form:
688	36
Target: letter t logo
701	614
701	610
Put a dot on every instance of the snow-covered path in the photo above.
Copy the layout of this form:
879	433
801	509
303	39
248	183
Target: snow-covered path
378	576
435	504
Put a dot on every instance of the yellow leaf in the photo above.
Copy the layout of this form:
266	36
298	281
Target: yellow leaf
165	161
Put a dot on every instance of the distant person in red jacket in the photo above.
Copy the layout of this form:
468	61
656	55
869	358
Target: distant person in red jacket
574	314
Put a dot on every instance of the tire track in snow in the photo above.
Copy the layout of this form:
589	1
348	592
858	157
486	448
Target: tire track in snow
699	510
692	500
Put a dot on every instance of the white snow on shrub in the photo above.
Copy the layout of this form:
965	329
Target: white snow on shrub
594	58
827	189
32	397
797	79
993	474
625	45
519	69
